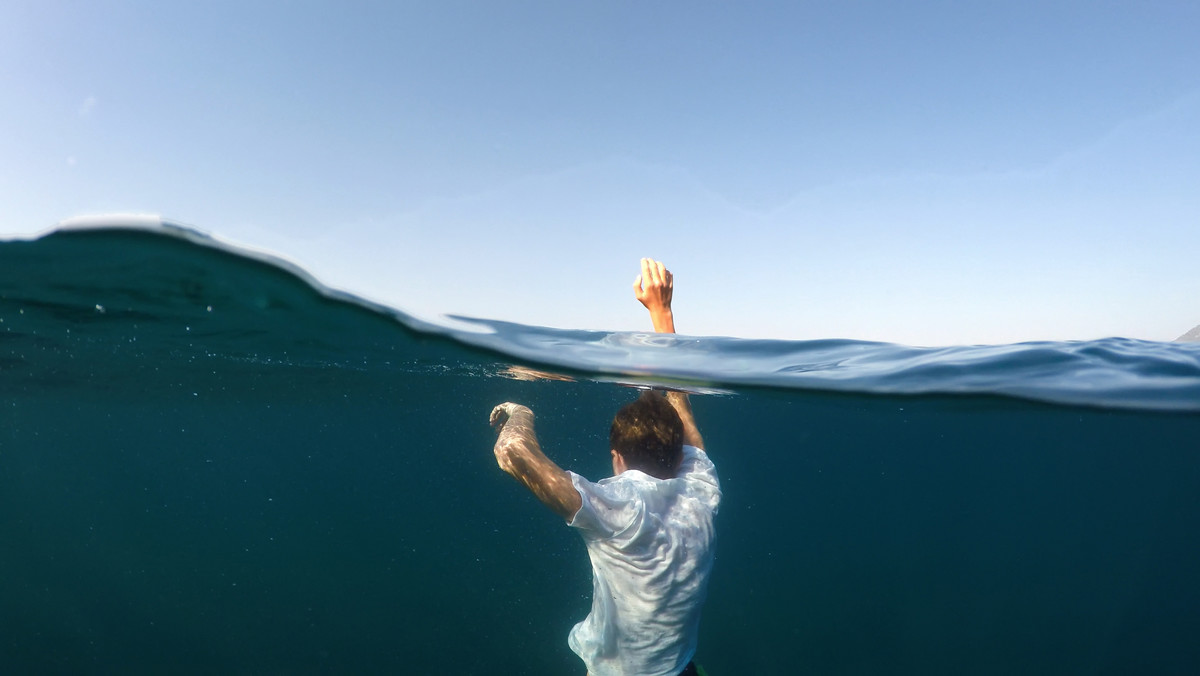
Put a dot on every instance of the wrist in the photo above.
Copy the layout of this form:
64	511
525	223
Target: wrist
664	321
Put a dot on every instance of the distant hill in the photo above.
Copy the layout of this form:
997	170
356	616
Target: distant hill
1192	336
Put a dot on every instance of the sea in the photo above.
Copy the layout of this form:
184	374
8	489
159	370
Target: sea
210	463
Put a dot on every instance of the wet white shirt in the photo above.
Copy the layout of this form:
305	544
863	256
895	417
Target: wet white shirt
651	545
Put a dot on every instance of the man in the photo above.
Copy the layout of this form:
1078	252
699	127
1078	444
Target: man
648	528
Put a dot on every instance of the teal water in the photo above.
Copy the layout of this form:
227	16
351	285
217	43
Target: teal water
210	464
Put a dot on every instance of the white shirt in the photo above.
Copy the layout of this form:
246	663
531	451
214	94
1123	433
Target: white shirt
651	545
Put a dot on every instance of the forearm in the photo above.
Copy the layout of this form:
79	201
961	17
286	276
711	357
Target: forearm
548	482
683	406
664	322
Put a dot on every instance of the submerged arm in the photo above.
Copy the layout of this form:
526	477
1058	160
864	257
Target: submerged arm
691	433
518	453
655	288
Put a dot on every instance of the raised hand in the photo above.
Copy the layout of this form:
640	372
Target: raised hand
654	289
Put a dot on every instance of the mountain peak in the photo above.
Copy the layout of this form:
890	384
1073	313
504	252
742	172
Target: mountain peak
1192	336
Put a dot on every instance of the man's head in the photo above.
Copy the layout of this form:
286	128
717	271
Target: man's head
647	435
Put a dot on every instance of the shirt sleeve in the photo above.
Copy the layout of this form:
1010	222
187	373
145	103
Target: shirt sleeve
701	474
606	509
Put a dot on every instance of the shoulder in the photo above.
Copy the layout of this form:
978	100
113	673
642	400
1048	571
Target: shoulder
622	487
610	505
695	460
700	474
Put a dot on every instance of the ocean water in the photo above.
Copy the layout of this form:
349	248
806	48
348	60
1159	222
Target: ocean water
211	464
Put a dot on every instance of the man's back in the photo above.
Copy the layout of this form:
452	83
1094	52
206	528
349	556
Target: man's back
651	546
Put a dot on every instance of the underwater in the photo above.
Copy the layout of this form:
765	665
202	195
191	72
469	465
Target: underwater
211	463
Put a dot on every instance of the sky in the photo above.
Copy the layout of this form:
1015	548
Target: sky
928	173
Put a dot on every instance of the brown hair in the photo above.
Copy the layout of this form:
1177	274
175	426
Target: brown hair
648	434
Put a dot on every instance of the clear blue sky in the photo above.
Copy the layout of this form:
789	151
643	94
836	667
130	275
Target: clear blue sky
923	173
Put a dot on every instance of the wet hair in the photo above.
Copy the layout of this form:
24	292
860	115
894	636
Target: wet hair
648	434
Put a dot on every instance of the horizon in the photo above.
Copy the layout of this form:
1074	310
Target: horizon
924	176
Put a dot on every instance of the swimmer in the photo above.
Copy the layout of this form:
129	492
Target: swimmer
648	528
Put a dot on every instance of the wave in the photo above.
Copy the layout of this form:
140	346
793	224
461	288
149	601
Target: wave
152	270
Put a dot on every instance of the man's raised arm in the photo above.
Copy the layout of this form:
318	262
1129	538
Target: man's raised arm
654	288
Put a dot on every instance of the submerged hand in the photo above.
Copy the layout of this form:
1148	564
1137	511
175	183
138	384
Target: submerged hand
505	412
